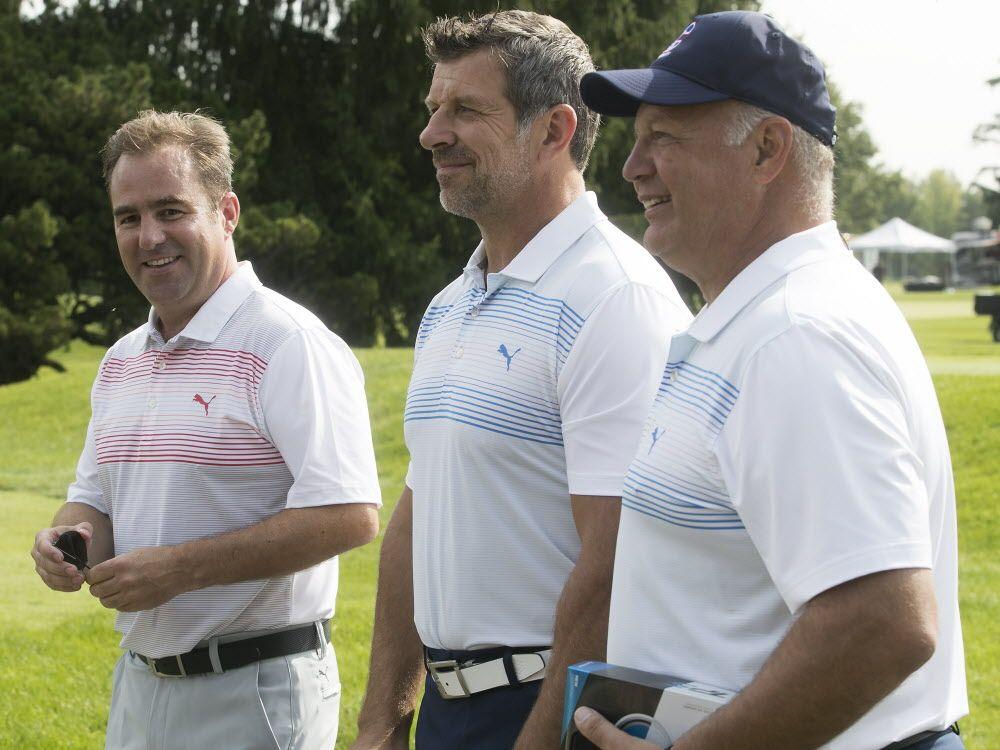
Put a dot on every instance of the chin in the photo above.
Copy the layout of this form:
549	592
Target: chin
657	243
458	204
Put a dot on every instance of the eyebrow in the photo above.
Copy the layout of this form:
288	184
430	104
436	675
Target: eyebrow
168	200
462	99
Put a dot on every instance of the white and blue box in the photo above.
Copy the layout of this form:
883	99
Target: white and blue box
655	707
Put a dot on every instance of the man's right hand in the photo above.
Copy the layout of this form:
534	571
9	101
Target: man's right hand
396	669
50	565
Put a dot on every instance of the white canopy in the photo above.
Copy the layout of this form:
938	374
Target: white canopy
897	236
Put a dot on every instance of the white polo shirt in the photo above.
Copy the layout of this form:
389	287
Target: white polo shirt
527	387
253	408
795	443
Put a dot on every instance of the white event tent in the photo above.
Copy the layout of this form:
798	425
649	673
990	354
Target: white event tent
898	236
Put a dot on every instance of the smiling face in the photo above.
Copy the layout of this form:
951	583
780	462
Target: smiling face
482	164
697	192
174	240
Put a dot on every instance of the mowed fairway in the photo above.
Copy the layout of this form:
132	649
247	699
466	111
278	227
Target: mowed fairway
57	651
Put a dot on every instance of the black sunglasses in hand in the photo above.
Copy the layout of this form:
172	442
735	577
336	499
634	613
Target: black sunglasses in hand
74	548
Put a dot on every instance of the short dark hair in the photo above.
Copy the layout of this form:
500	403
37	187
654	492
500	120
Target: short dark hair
543	59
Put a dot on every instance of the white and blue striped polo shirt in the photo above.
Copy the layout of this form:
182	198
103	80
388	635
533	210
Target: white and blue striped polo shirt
253	408
795	443
527	387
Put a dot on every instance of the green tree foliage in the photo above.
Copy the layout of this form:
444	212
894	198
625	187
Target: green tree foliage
324	104
323	100
59	99
867	193
989	178
32	323
938	207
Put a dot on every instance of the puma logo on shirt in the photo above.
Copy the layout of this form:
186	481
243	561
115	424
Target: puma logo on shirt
508	355
203	402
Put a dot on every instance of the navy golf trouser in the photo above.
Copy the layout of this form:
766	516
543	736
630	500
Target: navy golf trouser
490	720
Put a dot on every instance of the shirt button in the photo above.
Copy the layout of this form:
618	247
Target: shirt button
161	365
459	351
673	376
474	312
151	403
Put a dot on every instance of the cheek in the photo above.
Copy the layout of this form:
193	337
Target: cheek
126	247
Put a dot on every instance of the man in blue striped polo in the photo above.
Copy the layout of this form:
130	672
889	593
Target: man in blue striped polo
788	526
228	460
531	377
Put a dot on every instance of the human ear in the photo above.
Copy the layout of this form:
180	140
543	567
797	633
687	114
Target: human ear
229	207
559	128
772	140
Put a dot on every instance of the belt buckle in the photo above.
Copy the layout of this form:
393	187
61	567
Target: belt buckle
180	666
434	667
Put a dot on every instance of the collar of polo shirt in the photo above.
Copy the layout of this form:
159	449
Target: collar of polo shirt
545	247
218	309
777	261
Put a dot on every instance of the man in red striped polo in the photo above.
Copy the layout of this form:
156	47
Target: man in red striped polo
228	461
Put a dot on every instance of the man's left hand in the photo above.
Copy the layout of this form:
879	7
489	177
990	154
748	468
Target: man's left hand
138	580
604	734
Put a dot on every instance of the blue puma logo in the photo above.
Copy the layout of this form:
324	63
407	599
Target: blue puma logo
656	435
509	356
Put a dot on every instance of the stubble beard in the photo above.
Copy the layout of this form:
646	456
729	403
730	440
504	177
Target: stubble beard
488	194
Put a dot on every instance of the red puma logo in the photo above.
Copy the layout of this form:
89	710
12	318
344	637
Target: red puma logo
203	402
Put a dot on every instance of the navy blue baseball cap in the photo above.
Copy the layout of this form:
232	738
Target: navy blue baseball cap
730	55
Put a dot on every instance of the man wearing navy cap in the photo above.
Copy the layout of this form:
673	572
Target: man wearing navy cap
788	523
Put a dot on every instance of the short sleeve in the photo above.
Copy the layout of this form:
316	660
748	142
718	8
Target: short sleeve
819	460
313	400
608	382
87	488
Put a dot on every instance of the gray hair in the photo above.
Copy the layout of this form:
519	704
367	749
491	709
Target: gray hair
543	59
811	159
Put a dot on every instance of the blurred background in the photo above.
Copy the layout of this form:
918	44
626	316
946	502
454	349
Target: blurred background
323	100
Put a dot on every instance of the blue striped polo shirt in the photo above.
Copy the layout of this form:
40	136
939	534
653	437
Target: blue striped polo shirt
528	386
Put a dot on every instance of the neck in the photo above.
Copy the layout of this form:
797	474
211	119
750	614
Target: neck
506	234
170	326
172	320
763	233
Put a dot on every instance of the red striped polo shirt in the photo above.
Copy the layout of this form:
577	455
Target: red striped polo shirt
253	408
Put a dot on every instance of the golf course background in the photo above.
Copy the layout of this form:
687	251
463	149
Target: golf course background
57	650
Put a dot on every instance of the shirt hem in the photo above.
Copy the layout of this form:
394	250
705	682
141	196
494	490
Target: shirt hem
895	557
596	484
320	499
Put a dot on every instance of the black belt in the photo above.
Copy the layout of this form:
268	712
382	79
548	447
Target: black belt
236	654
930	734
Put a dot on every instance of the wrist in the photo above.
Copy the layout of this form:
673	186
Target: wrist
186	574
382	727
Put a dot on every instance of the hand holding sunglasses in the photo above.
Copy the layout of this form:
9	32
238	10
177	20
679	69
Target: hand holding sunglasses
74	548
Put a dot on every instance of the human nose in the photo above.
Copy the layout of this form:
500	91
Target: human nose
638	164
437	132
151	235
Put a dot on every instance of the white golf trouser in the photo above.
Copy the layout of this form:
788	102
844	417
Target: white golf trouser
285	703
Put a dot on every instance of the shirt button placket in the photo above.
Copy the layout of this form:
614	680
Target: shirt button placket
159	364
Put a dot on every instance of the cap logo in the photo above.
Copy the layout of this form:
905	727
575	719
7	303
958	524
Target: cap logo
678	40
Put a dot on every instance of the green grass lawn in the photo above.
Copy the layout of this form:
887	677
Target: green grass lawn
57	650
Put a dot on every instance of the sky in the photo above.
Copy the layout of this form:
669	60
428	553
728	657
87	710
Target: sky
918	67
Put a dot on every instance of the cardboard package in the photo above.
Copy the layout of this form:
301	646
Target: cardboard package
655	707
